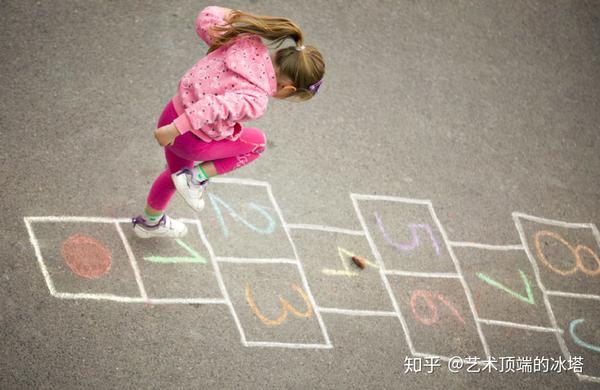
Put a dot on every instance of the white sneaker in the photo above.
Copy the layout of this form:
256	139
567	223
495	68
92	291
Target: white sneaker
190	189
166	227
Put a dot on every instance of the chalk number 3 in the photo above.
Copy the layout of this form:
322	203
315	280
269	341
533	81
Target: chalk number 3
285	305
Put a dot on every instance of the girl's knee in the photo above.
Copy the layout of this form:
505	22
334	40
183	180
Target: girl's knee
255	137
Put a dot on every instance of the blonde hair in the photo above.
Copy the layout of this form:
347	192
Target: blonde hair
303	65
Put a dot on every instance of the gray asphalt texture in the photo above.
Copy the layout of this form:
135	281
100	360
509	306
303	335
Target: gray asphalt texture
485	108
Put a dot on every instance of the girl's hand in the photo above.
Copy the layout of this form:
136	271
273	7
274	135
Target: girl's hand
166	135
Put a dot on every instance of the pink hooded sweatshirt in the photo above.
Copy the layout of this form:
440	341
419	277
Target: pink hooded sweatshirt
230	85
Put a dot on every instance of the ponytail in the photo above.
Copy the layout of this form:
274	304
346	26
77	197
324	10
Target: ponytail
274	29
303	65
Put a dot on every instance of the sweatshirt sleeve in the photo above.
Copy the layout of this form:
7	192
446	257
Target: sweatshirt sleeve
213	114
208	17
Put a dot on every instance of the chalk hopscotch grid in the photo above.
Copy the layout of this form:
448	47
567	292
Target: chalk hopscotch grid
301	270
143	298
64	295
378	313
365	232
221	284
517	216
214	259
356	197
336	310
515	247
296	261
381	267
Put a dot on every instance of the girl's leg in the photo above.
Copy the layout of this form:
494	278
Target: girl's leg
220	157
162	189
254	142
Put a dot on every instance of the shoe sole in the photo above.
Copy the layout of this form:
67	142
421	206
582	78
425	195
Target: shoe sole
180	193
146	234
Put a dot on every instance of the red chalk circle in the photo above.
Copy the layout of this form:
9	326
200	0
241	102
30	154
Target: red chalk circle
86	256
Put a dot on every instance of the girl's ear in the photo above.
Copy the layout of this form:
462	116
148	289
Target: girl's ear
288	89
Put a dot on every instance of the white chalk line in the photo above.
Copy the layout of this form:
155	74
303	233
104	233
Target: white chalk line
552	222
595	233
447	275
325	229
245	260
466	288
478	362
124	299
220	282
461	244
519	326
358	313
561	342
300	268
188	301
588	378
233	180
38	255
354	198
191	221
271	344
572	295
100	297
431	356
66	218
134	265
390	199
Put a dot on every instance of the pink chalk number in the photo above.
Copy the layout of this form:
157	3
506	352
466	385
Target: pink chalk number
430	299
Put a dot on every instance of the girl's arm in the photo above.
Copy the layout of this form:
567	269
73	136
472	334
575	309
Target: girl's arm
217	111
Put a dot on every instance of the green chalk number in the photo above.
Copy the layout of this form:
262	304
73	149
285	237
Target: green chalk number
193	258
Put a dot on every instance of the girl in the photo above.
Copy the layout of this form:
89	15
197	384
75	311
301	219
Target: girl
230	85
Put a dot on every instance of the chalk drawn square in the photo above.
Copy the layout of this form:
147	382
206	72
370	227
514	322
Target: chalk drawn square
503	285
438	316
405	235
566	254
272	304
84	258
174	268
579	318
505	341
335	280
242	221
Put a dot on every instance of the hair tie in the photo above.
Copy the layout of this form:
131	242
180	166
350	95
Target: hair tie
315	87
300	48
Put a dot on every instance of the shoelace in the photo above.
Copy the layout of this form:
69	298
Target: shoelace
190	177
140	220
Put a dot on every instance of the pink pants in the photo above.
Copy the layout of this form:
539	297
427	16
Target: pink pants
187	149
